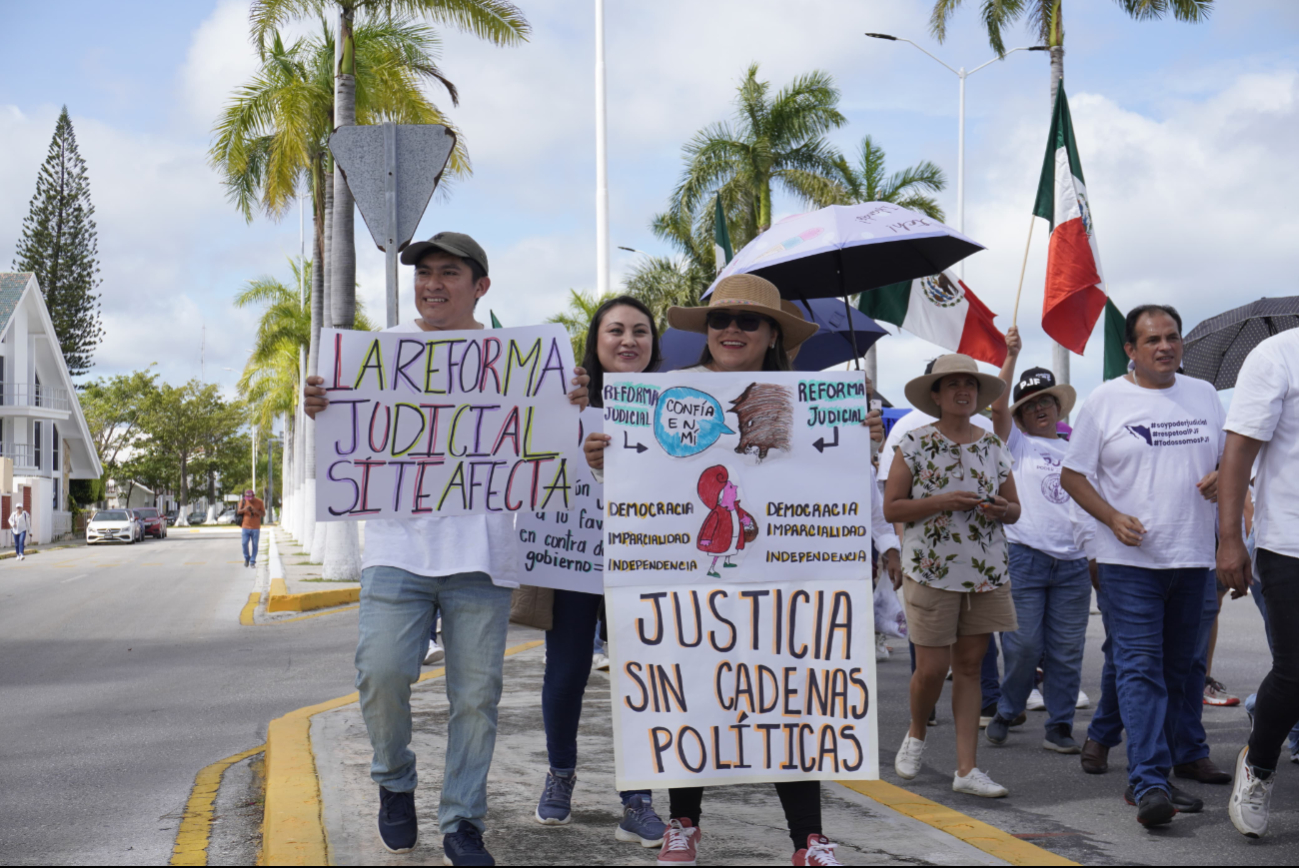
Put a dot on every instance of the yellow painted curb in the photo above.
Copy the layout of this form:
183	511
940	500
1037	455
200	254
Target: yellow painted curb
196	821
249	609
293	832
976	833
281	600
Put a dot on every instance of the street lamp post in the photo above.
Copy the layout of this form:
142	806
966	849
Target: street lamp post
961	74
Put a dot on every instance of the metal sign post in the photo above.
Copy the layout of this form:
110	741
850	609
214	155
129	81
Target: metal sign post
392	171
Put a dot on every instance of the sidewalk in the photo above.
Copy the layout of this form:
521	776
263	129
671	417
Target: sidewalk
742	825
301	577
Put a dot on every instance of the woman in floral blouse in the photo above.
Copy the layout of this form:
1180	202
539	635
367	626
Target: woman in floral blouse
951	486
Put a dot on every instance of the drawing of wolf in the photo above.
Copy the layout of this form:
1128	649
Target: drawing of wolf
766	414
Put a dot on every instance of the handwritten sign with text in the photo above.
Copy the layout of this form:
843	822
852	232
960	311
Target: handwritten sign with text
738	578
445	423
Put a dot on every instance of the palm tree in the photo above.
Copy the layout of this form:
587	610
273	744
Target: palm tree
1046	19
663	281
575	320
776	141
495	20
867	182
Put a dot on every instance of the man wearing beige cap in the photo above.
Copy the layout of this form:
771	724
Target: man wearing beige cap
461	566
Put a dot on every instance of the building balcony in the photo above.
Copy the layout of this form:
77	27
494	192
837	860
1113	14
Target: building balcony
23	456
33	400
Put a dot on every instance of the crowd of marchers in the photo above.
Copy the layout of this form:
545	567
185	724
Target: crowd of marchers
999	524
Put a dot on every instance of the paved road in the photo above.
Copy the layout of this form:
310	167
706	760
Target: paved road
1083	817
124	671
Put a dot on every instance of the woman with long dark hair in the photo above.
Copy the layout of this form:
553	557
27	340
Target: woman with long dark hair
621	339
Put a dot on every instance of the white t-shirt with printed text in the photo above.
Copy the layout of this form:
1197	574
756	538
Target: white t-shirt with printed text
1147	449
1045	522
442	546
1265	406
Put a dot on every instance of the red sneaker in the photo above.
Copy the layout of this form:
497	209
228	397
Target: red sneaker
1216	694
681	844
819	851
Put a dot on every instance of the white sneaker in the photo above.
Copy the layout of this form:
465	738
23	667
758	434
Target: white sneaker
1035	701
434	654
1084	701
600	662
1249	798
976	783
907	764
882	652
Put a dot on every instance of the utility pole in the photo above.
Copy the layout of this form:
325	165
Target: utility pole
601	161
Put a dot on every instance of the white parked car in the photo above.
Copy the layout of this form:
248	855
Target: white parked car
111	525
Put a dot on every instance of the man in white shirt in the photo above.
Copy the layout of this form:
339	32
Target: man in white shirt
20	522
462	566
1263	425
1152	440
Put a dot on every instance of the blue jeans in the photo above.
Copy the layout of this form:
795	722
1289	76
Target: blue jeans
568	667
20	543
1052	600
1157	620
254	536
1106	727
396	613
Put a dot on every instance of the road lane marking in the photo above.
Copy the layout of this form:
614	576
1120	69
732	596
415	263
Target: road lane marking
196	821
73	578
293	832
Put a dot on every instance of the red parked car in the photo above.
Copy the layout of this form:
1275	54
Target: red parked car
154	523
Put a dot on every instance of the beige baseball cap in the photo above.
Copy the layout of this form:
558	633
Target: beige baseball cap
455	243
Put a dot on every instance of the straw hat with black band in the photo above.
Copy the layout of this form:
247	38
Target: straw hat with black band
746	293
1036	382
920	390
455	243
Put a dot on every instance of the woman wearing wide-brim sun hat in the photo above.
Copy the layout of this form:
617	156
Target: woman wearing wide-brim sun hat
747	328
748	332
951	487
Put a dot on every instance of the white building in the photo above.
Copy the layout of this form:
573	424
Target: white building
42	428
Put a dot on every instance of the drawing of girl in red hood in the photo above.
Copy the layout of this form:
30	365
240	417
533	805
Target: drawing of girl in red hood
723	531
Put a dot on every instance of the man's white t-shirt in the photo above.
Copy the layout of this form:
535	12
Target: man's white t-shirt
1045	522
1265	407
910	422
1147	449
882	533
441	546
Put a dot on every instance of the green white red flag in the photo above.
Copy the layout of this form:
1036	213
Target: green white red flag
942	310
1075	288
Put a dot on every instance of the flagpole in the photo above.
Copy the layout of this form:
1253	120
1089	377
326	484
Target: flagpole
1014	319
601	162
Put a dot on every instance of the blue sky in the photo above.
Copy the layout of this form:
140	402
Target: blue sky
1185	132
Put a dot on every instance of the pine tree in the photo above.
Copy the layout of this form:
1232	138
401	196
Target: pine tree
60	246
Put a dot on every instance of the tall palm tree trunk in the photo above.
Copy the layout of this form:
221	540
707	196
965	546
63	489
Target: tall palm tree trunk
341	543
313	364
328	245
286	463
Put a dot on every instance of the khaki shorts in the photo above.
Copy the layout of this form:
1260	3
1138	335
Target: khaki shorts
936	617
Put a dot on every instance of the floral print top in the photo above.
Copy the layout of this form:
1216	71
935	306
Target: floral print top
955	551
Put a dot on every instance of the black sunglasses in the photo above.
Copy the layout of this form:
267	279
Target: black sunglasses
720	320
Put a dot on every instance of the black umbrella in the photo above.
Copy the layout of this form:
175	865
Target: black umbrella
1216	348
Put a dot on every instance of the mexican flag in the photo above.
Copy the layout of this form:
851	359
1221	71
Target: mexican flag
722	252
1075	288
1116	358
942	310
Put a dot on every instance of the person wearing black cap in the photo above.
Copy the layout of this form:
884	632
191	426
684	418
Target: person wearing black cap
463	566
1048	571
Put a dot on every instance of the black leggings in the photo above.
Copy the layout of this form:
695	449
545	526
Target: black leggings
1277	708
800	799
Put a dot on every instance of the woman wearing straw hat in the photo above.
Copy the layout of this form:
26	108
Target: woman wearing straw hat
1051	584
952	488
748	330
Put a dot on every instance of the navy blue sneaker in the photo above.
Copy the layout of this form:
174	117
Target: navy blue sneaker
997	730
398	828
465	847
640	823
556	805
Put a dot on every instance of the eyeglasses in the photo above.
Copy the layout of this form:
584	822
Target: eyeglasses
1044	401
720	320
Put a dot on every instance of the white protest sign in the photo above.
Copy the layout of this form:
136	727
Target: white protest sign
737	578
445	423
565	550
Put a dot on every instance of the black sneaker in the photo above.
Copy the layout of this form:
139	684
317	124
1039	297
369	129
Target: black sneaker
398	827
933	716
1182	800
1155	809
465	847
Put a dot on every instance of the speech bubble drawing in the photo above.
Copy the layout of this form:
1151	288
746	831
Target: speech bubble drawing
688	421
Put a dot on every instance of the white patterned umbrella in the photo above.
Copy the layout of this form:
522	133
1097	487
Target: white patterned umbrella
846	249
